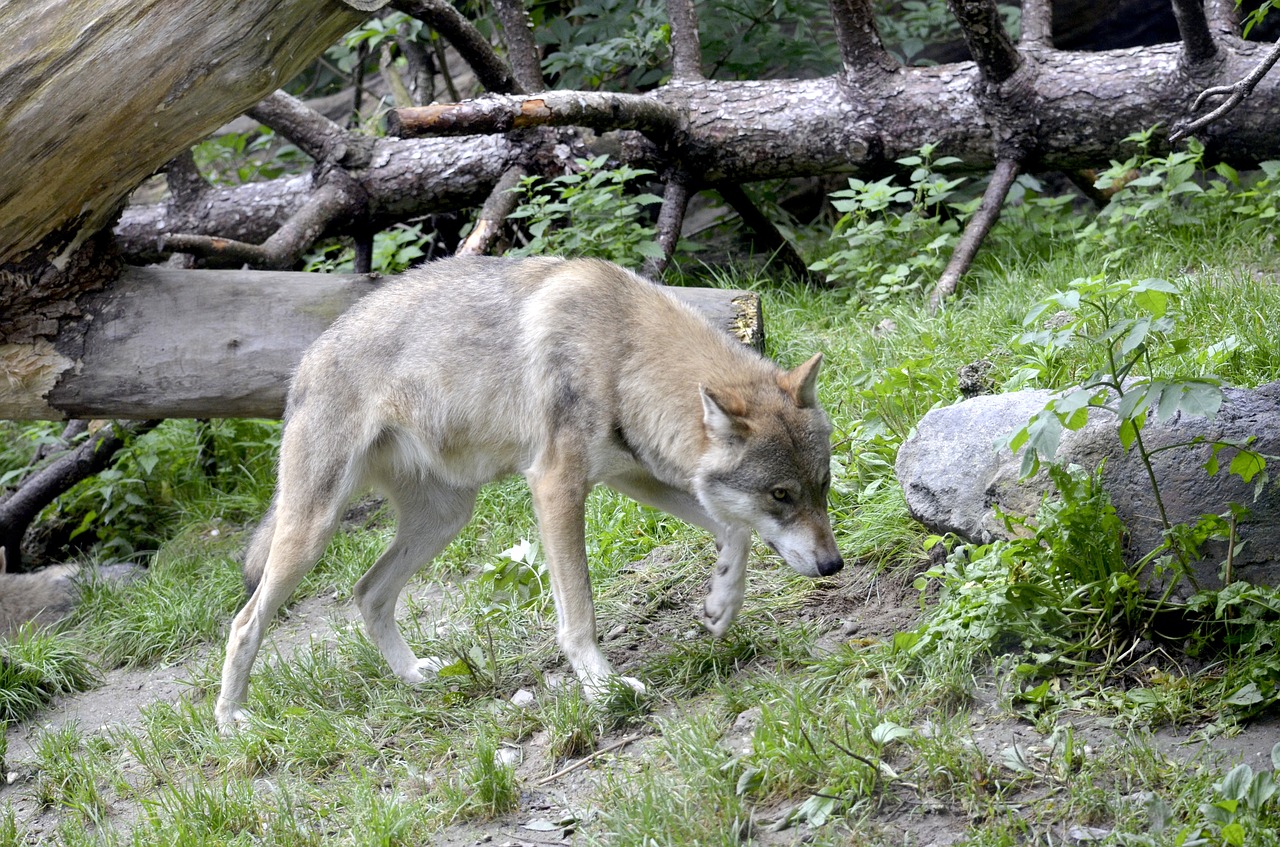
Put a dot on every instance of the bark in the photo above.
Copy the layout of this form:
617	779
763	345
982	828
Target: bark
143	355
125	85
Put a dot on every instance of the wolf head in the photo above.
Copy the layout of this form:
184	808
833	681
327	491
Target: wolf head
767	466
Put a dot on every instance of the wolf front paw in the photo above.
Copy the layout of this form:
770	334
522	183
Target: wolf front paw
718	614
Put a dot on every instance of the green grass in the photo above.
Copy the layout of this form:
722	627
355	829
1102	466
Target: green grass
785	731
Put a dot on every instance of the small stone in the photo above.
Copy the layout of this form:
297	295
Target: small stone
523	698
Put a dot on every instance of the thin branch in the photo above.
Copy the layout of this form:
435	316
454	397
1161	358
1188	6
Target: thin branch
675	201
315	135
984	35
598	110
976	230
1197	42
492	71
609	748
767	236
1037	23
522	51
686	48
421	77
500	203
387	67
1236	95
859	41
329	203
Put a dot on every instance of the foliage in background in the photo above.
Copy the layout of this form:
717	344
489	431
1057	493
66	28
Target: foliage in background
896	238
591	212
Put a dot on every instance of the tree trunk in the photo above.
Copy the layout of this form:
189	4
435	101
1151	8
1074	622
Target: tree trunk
170	343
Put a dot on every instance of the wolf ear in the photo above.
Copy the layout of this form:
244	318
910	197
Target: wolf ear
722	417
801	384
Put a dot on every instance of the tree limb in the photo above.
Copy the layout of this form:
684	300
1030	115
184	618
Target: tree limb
329	203
494	73
1037	23
598	110
522	51
1224	17
1197	42
856	35
984	35
20	508
313	133
976	230
1236	94
686	48
500	203
675	201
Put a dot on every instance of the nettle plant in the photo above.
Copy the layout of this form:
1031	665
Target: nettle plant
590	212
899	237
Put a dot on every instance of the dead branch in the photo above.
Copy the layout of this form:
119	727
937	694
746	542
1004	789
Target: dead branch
767	236
984	35
330	202
597	110
1197	42
675	201
387	67
1037	23
976	230
20	508
686	49
315	135
1236	94
186	185
859	41
494	73
500	203
522	52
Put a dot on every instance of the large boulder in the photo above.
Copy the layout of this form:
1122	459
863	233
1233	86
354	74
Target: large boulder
956	472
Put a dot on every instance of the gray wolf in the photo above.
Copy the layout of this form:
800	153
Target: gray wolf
570	372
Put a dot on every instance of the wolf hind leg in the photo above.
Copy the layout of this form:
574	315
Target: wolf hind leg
429	514
310	494
295	547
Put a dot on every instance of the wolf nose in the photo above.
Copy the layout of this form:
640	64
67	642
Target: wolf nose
829	567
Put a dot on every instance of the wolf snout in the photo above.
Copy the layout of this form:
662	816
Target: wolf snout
830	566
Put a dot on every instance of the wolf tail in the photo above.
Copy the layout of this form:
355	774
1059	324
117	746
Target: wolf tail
255	560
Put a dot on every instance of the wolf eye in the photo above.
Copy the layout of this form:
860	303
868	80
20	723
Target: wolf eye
782	495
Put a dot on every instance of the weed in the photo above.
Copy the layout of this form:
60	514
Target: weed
37	665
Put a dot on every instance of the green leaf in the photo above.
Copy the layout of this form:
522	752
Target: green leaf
1233	834
887	732
1247	464
1249	695
1236	783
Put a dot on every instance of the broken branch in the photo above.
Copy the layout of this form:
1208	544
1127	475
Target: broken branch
976	230
597	110
522	52
1197	42
675	200
992	49
856	34
500	203
315	135
686	49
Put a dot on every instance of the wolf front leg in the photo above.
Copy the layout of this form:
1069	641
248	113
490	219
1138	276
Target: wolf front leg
728	580
559	500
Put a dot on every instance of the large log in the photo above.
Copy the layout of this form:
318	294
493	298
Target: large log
96	95
170	343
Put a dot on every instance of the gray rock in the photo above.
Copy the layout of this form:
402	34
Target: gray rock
954	473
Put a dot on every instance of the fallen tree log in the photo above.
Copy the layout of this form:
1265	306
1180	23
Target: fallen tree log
171	343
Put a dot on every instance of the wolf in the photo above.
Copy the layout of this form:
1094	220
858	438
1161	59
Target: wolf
570	372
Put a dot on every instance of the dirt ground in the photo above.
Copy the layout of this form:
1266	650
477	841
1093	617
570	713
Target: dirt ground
551	810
